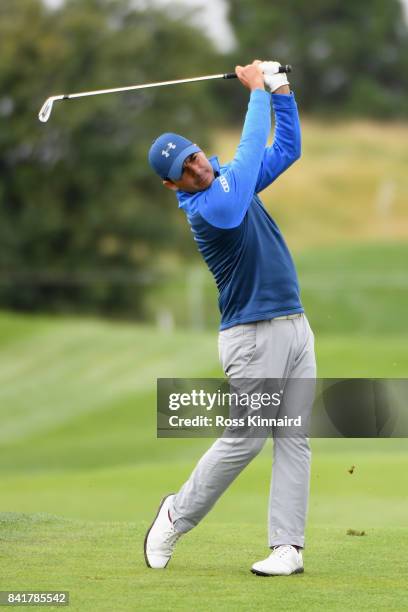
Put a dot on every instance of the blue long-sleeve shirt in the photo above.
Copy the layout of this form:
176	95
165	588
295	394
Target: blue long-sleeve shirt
240	242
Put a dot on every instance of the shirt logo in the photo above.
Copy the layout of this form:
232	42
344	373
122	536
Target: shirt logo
169	146
224	184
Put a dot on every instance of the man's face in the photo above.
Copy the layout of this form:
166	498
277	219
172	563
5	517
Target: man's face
198	174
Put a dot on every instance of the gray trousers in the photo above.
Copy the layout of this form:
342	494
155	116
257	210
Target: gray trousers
278	348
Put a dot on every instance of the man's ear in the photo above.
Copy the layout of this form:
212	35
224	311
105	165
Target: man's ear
170	185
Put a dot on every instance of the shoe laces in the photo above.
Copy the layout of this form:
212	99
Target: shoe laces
172	537
282	551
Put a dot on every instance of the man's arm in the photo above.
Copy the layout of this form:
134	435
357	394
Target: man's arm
225	203
286	147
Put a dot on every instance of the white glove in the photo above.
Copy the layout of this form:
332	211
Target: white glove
272	78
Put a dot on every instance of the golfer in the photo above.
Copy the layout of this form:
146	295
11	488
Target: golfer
264	332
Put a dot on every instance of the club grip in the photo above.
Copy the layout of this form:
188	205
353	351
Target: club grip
232	75
285	68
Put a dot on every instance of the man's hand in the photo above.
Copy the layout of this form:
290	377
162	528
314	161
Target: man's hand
275	80
251	75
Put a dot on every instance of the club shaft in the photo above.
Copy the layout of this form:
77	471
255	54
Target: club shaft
145	86
229	75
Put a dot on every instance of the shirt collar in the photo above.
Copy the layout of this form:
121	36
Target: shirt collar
215	164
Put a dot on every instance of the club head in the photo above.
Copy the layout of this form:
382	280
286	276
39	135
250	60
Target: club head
46	109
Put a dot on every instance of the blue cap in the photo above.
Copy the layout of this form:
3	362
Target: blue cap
167	155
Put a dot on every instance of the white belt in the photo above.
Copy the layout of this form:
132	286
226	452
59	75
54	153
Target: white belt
291	316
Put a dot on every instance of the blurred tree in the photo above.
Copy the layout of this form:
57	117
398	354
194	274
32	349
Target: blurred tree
348	57
82	216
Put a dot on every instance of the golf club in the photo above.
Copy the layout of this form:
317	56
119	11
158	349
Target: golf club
46	108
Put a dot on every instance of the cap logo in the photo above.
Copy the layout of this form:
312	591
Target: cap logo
169	146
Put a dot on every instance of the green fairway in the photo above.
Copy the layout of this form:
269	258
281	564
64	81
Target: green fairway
82	473
77	393
99	565
99	558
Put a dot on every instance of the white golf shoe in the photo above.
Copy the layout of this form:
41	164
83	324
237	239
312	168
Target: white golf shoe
283	561
161	537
